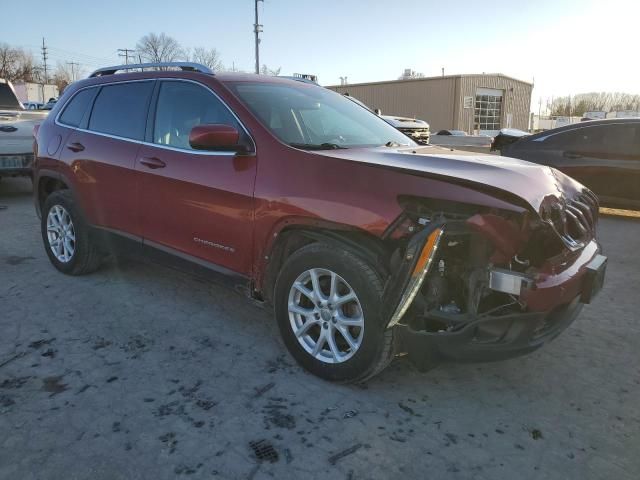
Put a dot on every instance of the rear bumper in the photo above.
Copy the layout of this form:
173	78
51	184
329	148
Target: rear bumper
488	339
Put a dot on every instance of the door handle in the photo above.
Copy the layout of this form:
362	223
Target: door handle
152	162
75	147
571	155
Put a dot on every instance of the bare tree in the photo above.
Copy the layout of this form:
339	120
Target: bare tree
16	64
270	71
159	48
209	57
62	77
594	102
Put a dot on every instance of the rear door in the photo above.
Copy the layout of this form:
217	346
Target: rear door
195	203
101	154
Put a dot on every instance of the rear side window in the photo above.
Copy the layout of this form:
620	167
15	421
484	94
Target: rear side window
121	110
73	113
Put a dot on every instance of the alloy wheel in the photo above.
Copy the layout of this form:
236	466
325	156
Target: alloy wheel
61	234
325	315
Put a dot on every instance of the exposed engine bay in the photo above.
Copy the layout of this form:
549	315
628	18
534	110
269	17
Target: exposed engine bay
483	263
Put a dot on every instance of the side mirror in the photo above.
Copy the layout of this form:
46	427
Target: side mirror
378	112
215	137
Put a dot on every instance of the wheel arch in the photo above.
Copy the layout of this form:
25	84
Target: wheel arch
293	237
47	182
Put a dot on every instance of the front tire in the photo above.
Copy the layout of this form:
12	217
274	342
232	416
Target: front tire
328	309
67	239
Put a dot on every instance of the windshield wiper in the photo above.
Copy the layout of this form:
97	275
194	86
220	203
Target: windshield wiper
316	146
395	144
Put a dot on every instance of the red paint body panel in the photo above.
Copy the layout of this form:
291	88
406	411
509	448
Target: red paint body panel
561	282
199	196
208	136
104	179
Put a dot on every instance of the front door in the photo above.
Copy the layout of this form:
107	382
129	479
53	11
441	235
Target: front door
198	203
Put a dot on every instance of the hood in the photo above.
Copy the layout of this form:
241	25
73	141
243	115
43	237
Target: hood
404	122
491	174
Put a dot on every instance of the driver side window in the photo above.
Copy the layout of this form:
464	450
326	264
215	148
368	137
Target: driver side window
182	106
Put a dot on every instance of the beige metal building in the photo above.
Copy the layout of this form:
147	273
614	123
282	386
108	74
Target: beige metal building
482	103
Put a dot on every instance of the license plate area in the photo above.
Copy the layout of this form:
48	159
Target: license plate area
594	278
15	161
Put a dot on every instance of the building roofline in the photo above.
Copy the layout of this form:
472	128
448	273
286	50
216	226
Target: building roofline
424	79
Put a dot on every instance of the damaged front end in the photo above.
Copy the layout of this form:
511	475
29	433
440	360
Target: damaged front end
478	284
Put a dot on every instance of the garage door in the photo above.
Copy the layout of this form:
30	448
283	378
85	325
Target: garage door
488	111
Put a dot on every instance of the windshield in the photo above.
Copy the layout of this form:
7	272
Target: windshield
309	116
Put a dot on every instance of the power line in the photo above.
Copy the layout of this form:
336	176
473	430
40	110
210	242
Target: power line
73	73
44	60
257	28
125	52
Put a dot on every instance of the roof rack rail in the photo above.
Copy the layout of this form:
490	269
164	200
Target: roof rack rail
187	66
298	79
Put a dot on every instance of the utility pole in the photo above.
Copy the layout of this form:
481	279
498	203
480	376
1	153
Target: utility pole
257	28
73	72
44	61
125	52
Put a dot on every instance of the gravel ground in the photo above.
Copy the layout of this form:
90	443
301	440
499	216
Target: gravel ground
138	371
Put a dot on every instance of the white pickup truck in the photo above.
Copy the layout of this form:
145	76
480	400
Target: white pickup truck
16	133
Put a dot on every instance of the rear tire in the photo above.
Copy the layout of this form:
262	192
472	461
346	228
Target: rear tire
66	236
328	316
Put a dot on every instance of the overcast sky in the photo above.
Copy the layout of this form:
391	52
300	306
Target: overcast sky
567	46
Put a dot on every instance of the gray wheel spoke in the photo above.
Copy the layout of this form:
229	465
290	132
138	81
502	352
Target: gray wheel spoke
347	336
293	308
319	344
350	321
303	329
315	281
335	351
333	291
304	291
349	297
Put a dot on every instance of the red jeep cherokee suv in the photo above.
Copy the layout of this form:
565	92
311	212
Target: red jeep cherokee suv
366	244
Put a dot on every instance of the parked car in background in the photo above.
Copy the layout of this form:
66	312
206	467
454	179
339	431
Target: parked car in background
458	139
16	133
366	244
455	133
416	129
33	105
507	136
602	154
50	104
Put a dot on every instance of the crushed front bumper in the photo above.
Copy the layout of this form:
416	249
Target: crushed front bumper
552	301
488	339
